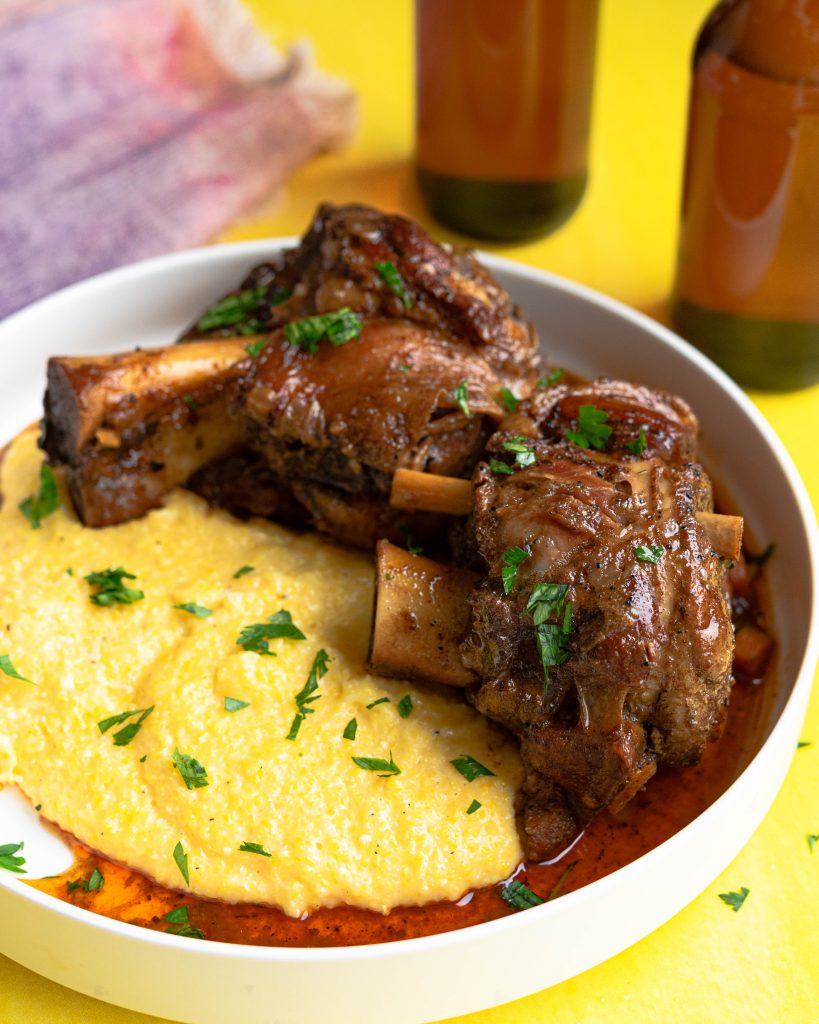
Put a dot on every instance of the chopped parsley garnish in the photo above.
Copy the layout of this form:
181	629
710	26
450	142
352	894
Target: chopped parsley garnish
191	402
592	430
72	886
508	399
554	376
232	310
474	806
405	705
812	839
393	280
412	548
194	775
232	704
9	669
512	558
520	896
243	571
44	502
254	349
375	703
470	768
199	610
94	882
350	730
639	444
10	862
499	467
279	626
339	327
378	764
804	743
404	368
653	553
110	588
762	557
254	848
735	899
521	449
180	924
461	396
307	694
181	859
548	601
124	736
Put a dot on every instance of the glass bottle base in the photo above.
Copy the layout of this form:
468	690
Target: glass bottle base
501	211
772	355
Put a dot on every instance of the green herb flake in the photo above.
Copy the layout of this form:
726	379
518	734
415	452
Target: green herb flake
179	915
8	669
554	376
520	896
199	610
500	468
44	502
762	557
735	899
350	729
73	886
232	310
651	554
639	444
405	705
279	626
592	431
512	559
191	402
338	327
393	280
194	775
412	548
243	571
254	349
307	694
804	743
9	861
509	401
378	764
95	881
124	736
461	396
560	884
474	806
232	704
110	588
254	848
181	859
521	448
179	920
812	840
548	602
470	768
375	703
404	368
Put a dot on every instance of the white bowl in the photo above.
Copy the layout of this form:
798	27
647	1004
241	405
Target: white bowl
427	978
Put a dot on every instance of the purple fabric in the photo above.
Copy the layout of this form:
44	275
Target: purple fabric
123	136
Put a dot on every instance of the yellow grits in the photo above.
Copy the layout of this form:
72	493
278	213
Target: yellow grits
337	833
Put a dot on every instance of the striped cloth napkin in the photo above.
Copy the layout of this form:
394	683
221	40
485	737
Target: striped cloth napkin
136	127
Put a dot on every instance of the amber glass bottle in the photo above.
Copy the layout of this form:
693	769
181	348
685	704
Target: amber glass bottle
503	103
747	287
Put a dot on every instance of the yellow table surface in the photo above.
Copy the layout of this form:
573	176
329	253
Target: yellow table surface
708	963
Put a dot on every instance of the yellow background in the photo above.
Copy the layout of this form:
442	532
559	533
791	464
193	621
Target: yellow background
708	963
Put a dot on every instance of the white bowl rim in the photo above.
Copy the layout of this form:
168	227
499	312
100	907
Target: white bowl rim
261	248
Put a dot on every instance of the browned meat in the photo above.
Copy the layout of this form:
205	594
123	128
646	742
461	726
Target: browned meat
604	664
336	266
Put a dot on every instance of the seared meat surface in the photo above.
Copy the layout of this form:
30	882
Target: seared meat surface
336	266
611	652
417	385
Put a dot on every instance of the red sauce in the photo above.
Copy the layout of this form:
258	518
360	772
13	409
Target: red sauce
670	801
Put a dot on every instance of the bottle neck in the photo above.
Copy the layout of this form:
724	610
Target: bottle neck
775	38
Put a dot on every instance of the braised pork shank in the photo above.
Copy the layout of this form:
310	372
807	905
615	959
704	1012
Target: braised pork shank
600	631
315	421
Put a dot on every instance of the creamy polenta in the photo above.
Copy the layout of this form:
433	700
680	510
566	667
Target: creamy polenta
335	832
